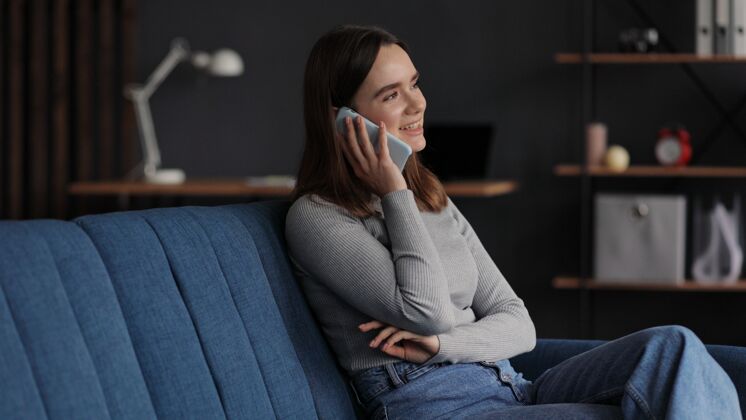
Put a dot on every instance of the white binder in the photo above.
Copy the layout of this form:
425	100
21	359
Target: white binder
739	27
722	34
703	29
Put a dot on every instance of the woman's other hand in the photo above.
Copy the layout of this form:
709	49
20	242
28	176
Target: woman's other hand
402	344
377	170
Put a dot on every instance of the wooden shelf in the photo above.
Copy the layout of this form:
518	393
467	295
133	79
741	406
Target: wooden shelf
630	58
191	187
480	188
687	286
241	187
656	171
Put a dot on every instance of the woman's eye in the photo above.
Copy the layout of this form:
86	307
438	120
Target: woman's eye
416	85
390	97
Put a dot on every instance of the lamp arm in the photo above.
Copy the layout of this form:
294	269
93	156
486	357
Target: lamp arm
140	96
179	52
148	142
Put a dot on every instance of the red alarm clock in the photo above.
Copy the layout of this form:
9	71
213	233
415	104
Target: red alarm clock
674	146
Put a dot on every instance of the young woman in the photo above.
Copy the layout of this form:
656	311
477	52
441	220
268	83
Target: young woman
413	306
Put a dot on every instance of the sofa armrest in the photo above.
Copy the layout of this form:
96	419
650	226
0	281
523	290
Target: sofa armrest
550	352
733	361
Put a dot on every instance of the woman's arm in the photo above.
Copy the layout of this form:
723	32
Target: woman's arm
405	287
503	328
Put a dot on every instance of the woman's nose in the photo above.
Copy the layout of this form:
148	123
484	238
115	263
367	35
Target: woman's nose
417	103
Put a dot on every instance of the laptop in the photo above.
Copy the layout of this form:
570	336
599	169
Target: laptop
458	152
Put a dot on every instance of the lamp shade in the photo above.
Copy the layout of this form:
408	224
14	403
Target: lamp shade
225	62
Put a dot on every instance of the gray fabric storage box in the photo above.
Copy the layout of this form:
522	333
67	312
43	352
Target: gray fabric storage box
639	238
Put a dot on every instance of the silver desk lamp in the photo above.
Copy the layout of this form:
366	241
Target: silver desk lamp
223	62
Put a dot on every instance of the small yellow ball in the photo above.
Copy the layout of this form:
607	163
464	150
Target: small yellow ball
616	158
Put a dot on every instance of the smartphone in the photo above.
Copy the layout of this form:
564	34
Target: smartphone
398	150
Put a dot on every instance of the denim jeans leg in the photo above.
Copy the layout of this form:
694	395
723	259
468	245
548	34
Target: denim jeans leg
661	372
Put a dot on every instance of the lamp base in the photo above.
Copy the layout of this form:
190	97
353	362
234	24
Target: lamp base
165	176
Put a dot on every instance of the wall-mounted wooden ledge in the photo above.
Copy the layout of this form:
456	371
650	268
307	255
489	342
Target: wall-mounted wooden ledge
485	188
687	286
242	187
655	171
630	58
191	187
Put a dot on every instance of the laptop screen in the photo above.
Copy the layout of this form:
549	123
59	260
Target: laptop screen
457	152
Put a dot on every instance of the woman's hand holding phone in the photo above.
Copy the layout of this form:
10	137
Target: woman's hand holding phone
377	170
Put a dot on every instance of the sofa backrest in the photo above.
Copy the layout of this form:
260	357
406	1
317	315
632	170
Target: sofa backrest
189	312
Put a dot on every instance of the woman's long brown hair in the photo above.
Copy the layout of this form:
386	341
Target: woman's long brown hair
337	66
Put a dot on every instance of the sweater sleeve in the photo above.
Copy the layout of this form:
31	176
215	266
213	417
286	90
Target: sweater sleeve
405	287
503	328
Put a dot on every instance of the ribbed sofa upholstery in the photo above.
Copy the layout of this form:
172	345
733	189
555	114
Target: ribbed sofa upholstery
179	313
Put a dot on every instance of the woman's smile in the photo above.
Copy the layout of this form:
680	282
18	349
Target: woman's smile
412	130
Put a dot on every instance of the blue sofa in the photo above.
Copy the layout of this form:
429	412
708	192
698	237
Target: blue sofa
180	313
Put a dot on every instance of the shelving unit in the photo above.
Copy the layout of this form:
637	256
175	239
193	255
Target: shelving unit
587	62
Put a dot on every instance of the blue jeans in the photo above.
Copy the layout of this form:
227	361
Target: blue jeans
657	373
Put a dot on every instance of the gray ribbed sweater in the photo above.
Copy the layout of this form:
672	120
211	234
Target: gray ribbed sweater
424	272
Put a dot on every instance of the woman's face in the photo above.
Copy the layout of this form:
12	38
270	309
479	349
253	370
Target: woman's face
390	93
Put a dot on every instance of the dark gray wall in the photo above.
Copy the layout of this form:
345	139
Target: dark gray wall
481	61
